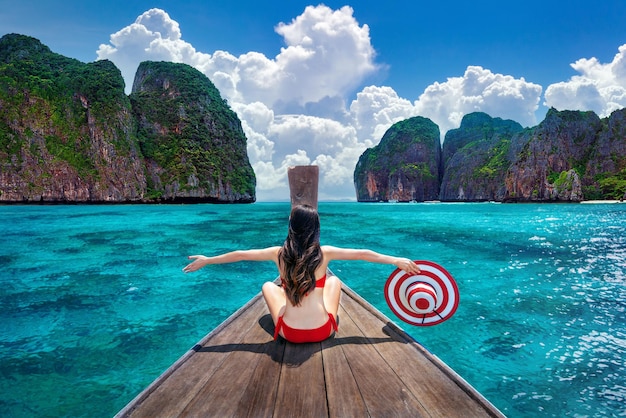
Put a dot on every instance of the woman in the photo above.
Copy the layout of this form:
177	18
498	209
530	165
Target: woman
304	308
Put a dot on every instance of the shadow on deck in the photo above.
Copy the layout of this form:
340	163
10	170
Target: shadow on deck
370	368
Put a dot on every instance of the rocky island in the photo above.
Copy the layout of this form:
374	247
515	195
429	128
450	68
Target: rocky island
69	133
404	166
570	156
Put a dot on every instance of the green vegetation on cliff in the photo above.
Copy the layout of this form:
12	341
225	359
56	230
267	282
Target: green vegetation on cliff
475	128
403	134
408	154
475	158
497	161
570	156
188	130
69	133
57	91
612	186
395	143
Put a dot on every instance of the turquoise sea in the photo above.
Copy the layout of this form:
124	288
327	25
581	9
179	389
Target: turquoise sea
94	305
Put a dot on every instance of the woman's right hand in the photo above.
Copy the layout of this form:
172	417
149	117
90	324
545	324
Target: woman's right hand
199	262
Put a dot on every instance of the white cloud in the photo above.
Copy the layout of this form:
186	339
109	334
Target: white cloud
302	139
154	36
479	90
293	106
376	109
599	87
327	55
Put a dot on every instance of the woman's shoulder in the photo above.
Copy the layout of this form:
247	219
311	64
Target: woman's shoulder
331	251
269	253
338	253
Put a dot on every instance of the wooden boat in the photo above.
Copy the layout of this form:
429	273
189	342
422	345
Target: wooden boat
371	367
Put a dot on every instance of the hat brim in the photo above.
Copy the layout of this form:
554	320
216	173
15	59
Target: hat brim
444	285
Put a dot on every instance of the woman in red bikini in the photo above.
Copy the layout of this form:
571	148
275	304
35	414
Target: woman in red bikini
304	307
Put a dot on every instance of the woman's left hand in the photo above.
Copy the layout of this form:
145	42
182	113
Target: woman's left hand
407	265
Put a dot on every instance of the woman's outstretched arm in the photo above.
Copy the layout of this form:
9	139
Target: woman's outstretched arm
265	254
335	253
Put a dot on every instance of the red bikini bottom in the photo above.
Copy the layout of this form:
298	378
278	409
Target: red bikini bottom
296	335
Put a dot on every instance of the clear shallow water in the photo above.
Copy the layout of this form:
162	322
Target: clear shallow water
94	305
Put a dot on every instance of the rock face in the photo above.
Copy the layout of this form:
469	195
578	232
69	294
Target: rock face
68	133
193	143
553	158
62	137
404	166
569	157
605	170
475	158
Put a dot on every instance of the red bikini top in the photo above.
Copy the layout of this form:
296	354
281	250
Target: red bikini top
321	281
318	283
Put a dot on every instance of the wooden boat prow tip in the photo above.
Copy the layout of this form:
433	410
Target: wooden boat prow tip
371	367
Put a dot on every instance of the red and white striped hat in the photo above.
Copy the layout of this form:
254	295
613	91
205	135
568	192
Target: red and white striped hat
426	298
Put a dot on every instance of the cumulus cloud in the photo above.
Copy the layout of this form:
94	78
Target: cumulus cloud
599	87
479	90
293	106
327	55
154	36
376	109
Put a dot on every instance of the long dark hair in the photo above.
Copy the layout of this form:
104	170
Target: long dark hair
301	253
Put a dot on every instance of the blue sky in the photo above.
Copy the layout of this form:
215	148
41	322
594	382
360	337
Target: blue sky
319	83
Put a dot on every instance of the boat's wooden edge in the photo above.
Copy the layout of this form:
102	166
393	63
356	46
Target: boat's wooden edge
449	372
348	292
176	365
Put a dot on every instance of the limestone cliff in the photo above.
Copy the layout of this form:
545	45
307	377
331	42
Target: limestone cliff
192	141
569	157
604	175
69	133
476	127
404	166
476	157
553	159
65	128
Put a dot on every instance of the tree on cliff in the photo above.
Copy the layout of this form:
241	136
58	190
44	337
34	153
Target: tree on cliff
68	133
570	156
404	166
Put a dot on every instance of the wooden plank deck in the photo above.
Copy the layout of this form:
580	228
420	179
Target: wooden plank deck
370	368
